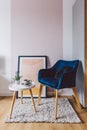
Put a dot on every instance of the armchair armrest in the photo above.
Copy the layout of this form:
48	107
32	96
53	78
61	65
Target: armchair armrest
46	73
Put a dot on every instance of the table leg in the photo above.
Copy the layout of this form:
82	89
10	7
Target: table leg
21	97
13	100
40	92
32	99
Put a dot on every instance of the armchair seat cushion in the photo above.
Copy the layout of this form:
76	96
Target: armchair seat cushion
49	81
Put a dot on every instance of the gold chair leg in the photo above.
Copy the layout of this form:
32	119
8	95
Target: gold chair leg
76	97
13	100
40	92
56	104
21	97
32	99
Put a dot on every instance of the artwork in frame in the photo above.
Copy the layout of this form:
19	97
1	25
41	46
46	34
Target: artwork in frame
28	67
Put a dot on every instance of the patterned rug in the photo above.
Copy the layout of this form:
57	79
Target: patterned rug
45	111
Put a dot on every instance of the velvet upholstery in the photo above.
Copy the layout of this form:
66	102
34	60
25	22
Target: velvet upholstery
61	75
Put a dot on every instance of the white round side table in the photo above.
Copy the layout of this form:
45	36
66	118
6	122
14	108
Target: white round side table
19	87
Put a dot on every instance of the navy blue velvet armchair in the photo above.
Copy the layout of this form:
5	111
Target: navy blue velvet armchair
61	75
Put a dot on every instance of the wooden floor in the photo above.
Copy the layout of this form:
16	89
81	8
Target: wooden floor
5	103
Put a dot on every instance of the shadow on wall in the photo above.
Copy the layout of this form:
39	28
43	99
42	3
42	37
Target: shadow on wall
50	91
80	83
2	64
4	86
48	62
4	78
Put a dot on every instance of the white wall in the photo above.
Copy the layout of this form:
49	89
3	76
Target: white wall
79	45
67	28
28	27
67	35
36	29
5	45
78	31
73	41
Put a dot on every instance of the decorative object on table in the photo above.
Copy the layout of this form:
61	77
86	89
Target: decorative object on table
28	66
27	82
61	75
17	78
24	113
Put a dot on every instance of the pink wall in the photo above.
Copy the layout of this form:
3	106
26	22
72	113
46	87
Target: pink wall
36	29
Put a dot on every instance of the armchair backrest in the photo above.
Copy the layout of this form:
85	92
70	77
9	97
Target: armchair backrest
63	63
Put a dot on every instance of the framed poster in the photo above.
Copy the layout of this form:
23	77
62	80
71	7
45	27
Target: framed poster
28	67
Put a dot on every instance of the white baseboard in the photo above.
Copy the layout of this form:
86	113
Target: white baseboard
4	92
62	92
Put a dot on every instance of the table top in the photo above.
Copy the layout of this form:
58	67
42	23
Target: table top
20	87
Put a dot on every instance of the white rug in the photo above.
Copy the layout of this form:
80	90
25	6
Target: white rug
45	111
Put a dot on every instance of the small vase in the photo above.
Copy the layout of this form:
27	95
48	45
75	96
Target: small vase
17	82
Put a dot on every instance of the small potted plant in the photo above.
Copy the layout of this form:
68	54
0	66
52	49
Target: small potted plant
17	78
